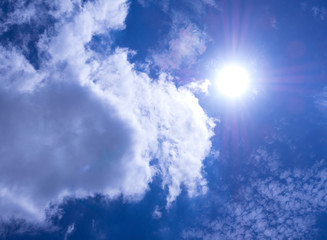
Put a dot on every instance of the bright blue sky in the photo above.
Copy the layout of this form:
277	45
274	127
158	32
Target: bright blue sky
112	126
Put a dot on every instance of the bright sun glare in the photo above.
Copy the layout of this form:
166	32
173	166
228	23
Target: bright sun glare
233	81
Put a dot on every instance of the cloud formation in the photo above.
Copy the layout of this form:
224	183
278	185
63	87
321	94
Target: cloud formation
84	123
186	44
321	100
277	204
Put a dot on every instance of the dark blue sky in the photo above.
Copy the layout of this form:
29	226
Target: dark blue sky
112	127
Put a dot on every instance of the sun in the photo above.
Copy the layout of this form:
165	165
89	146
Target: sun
233	81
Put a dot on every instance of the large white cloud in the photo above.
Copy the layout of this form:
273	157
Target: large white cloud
84	123
62	137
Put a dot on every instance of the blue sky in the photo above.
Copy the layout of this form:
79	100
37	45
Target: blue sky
112	125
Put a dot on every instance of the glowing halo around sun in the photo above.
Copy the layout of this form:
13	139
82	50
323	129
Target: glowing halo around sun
233	81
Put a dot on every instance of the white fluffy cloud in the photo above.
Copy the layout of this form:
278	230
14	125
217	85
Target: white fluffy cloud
85	124
199	86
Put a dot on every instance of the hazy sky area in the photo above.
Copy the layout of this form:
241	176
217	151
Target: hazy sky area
171	119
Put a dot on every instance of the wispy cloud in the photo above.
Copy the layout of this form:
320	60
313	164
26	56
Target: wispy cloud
279	204
316	11
69	231
319	12
167	4
321	100
186	44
